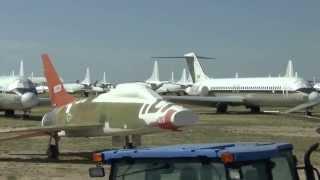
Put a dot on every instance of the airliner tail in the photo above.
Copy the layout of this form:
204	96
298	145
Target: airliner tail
155	73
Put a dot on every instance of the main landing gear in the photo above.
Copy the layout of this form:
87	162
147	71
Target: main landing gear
128	143
26	114
9	113
53	148
308	112
255	109
222	108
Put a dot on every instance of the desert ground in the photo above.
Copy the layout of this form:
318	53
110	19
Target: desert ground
26	159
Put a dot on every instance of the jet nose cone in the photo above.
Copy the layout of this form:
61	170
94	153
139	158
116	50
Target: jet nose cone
184	117
29	100
175	118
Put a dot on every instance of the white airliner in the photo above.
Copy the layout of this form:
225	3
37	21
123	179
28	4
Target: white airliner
81	86
104	84
316	86
290	90
164	87
17	93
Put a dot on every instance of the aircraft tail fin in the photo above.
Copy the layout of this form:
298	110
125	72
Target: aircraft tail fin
57	93
172	77
21	70
87	79
183	78
290	70
189	79
155	73
104	79
194	66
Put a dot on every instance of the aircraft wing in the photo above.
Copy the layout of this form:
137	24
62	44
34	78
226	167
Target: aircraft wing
20	133
206	100
28	132
303	106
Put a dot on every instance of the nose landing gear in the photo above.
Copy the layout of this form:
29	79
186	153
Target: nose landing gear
53	149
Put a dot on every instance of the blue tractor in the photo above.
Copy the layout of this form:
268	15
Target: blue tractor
230	161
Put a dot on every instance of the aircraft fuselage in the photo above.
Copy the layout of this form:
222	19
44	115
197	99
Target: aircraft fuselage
100	118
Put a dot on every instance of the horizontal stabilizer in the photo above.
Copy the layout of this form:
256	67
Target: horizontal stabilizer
180	57
195	68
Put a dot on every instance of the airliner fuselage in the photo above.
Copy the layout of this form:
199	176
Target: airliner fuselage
269	91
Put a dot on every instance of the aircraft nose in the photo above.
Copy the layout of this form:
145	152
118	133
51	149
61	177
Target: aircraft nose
29	100
177	117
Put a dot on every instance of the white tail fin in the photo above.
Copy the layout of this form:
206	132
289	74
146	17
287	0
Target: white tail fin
104	79
237	75
21	71
189	78
155	73
193	64
172	77
87	79
290	70
195	67
183	78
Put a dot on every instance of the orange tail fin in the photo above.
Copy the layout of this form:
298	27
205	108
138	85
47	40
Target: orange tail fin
57	93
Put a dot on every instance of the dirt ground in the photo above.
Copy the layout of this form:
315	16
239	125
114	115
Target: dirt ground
26	159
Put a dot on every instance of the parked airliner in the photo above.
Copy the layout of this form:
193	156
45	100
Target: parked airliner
289	90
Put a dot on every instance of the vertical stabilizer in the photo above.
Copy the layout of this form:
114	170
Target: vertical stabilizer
195	67
155	73
104	79
172	77
290	70
57	93
87	80
189	79
21	70
183	79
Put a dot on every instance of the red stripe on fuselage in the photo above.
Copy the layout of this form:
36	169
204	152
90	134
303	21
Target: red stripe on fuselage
165	122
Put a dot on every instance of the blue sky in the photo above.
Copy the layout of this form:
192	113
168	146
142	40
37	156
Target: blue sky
254	38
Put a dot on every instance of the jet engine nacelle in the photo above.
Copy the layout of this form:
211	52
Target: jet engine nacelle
197	91
29	100
314	96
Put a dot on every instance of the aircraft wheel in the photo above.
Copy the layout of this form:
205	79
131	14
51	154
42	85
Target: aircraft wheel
25	116
9	113
255	109
222	108
308	113
53	152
